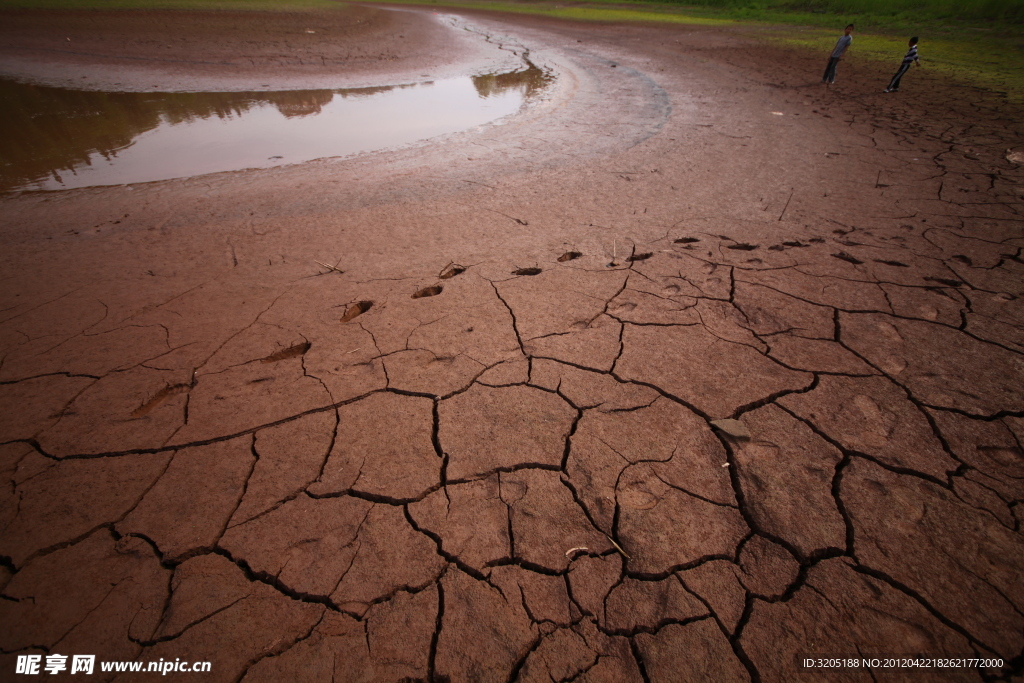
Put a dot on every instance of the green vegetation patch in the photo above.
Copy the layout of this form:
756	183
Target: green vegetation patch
243	5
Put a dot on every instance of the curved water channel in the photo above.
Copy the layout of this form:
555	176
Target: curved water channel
55	138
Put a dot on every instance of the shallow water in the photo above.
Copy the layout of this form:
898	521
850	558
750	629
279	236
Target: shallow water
54	138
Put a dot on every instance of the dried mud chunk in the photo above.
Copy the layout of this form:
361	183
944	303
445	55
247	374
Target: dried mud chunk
591	578
345	360
593	470
646	605
940	366
769	312
694	652
33	405
509	372
767	568
678	446
390	556
561	656
546	597
399	632
425	372
936	305
291	455
817	355
821	289
989	446
569	256
593	344
662	527
470	519
646	307
188	508
786	473
873	416
95	353
589	389
841	610
201	586
546	521
717	583
307	544
249	396
262	623
482	635
98	420
316	659
383	447
552	302
961	560
85	597
486	428
691	363
70	498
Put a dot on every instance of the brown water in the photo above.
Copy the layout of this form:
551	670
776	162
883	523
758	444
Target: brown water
53	138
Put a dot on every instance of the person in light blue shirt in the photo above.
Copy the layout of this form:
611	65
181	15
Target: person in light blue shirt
910	58
837	53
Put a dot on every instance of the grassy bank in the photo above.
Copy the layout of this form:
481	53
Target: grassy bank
977	41
242	5
981	51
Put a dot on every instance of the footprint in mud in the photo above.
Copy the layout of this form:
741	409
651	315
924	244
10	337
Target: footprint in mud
670	290
637	495
450	271
1007	456
890	331
640	257
878	424
428	291
621	307
685	240
966	260
569	256
843	256
285	354
742	246
944	281
356	309
159	397
527	271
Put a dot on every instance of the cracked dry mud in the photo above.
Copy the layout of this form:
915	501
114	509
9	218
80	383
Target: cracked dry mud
421	465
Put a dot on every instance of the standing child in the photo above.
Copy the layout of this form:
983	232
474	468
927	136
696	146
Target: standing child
910	58
837	54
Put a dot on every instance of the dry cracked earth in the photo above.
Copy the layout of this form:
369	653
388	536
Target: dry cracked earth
688	370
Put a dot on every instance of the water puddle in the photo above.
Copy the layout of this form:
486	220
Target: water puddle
54	138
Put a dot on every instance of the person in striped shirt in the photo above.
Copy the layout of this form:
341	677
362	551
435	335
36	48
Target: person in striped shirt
910	58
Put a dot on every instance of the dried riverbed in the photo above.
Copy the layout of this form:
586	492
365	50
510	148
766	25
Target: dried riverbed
687	370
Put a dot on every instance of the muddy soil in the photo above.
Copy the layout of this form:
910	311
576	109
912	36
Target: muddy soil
689	371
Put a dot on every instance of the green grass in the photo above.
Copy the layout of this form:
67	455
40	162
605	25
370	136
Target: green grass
286	5
976	41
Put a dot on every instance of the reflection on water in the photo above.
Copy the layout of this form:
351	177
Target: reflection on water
53	138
